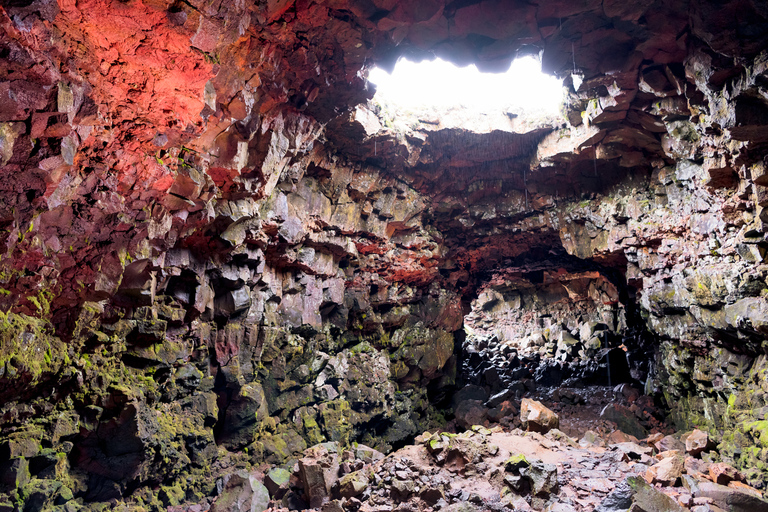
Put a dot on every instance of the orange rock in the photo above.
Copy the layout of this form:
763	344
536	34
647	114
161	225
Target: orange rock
666	472
723	473
536	417
741	486
617	436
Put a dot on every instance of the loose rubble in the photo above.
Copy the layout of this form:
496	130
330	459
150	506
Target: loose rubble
495	468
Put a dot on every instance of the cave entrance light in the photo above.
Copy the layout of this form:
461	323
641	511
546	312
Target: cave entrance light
438	85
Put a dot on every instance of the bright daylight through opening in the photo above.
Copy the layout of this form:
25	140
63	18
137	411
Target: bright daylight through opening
439	85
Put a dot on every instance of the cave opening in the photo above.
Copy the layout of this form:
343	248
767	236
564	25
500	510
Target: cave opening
559	329
444	89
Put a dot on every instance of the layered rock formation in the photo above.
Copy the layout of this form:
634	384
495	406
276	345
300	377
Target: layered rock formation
216	252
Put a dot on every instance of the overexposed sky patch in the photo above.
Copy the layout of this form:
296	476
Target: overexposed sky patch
440	84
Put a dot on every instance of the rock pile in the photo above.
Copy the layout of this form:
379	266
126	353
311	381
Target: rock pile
495	469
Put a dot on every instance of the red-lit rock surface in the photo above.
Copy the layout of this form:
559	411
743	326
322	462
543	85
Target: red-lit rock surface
210	241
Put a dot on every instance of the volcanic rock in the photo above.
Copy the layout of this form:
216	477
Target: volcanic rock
536	417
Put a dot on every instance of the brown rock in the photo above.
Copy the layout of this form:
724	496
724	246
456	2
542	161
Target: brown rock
669	453
697	442
669	443
618	437
536	417
694	466
666	472
729	498
319	470
741	486
723	473
471	412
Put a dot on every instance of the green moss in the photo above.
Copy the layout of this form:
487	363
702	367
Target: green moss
27	344
516	461
758	429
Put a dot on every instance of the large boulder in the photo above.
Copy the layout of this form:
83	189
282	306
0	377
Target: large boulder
242	492
319	471
727	498
636	494
536	417
625	420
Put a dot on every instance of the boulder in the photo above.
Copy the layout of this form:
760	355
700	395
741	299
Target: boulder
667	471
723	473
667	443
728	498
543	478
319	471
242	492
625	420
536	417
470	412
276	482
634	493
697	442
353	484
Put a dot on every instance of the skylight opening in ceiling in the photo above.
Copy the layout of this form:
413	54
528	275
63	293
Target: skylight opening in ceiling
441	85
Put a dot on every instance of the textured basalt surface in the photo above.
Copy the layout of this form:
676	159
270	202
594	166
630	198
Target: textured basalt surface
216	252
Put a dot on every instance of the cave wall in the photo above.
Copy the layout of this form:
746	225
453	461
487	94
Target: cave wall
216	253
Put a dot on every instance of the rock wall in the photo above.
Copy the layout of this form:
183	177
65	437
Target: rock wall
216	253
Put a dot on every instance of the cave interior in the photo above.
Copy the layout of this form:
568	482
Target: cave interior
218	250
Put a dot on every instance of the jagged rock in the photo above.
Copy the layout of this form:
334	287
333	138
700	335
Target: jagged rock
697	442
319	471
242	492
536	417
276	482
634	491
196	201
470	412
722	473
668	443
727	498
625	420
667	471
543	477
353	484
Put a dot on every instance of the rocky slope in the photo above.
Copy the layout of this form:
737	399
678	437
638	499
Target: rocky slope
214	249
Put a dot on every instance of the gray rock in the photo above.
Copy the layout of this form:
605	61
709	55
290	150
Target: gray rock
727	498
635	493
543	478
242	493
624	419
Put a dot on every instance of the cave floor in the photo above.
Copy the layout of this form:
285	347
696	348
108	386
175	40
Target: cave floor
586	464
